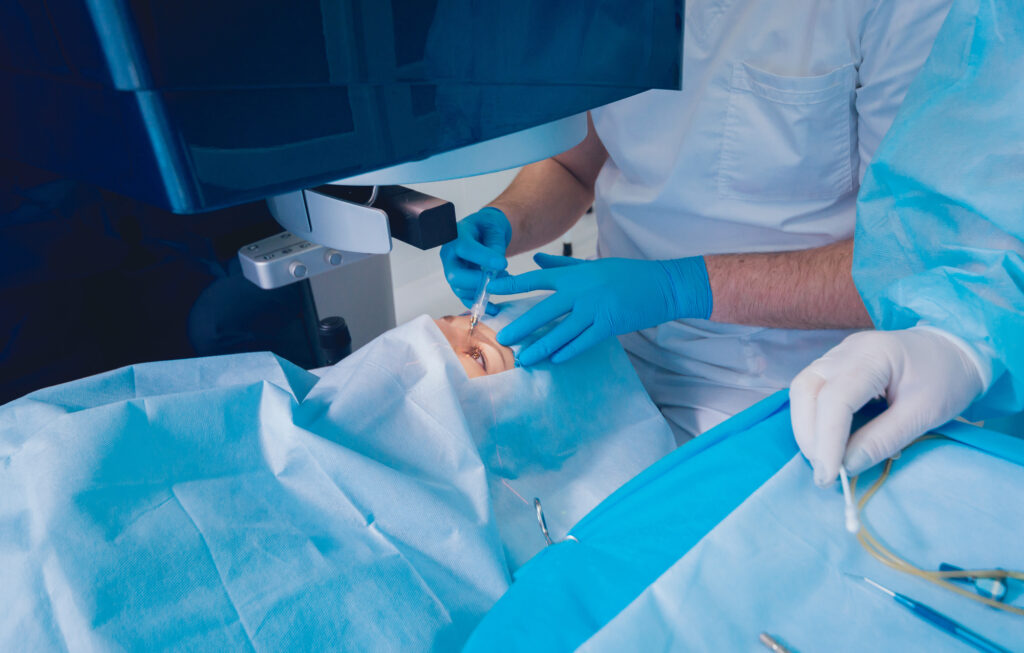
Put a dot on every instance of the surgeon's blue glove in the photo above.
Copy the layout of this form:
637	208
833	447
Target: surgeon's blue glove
603	298
480	245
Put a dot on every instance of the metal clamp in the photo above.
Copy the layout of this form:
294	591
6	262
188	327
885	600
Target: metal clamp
544	525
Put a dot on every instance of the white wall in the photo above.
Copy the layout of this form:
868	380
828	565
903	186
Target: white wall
418	278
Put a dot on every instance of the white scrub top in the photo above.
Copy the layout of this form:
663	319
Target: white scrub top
762	151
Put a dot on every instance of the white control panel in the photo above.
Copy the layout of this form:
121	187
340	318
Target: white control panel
285	258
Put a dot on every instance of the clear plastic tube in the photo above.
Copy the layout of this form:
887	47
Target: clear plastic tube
881	553
480	305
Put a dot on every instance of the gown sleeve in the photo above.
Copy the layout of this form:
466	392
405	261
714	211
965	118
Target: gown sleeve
940	215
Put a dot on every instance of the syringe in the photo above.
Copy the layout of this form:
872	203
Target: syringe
480	305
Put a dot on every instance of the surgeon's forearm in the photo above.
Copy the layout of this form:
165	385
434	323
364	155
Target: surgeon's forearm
542	203
548	197
804	289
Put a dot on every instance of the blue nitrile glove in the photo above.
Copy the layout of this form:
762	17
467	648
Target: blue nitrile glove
603	298
481	244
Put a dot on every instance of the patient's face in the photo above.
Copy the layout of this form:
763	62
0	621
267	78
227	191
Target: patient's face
480	354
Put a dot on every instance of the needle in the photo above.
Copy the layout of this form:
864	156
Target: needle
771	643
938	620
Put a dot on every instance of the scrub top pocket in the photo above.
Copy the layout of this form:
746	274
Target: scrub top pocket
787	138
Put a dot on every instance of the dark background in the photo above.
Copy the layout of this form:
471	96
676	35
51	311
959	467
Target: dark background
91	281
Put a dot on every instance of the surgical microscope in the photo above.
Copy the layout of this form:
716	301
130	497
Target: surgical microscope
323	110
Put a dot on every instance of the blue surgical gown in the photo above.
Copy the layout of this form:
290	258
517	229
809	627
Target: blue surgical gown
940	221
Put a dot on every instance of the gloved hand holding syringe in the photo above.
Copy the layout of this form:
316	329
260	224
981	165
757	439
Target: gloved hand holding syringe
479	306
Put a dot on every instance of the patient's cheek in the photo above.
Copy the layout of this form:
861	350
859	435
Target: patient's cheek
472	368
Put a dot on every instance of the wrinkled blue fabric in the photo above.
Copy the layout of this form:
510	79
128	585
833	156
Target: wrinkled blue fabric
572	591
779	563
569	434
940	230
176	506
240	503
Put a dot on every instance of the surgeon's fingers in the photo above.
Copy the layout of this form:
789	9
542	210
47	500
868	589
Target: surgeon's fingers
848	388
803	397
572	326
526	282
472	251
467	298
464	279
448	258
490	309
583	342
885	435
550	309
493	238
551	261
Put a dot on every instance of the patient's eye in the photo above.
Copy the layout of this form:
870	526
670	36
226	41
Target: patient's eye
478	356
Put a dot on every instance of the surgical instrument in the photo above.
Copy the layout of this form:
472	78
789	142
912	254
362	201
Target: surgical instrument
992	588
544	525
543	522
852	521
942	578
480	305
771	643
939	620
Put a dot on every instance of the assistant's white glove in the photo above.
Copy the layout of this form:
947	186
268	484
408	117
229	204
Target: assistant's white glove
927	375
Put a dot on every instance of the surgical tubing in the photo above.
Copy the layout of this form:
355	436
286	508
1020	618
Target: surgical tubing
890	559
